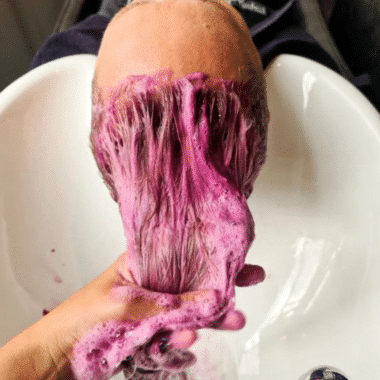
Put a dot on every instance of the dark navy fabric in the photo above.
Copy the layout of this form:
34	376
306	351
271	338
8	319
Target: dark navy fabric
276	33
81	38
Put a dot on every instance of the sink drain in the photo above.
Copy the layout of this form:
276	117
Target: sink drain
324	373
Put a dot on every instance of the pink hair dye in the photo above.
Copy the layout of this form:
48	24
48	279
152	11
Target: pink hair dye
180	159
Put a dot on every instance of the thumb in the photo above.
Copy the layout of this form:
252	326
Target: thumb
206	297
139	303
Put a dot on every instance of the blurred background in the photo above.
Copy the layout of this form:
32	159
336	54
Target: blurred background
24	26
348	29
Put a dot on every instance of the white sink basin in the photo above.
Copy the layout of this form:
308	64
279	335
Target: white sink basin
315	206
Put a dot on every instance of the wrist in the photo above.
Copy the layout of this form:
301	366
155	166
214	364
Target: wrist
21	351
50	358
25	357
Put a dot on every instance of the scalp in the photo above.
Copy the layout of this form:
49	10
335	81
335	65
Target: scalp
185	36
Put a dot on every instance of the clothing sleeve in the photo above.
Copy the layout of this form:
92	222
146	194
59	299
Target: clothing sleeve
82	38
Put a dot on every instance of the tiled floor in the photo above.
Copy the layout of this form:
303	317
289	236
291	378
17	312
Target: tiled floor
24	26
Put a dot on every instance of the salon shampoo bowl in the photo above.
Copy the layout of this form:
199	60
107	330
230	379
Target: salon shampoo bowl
315	204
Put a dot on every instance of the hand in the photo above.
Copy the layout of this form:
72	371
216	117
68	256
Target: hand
68	323
178	341
250	275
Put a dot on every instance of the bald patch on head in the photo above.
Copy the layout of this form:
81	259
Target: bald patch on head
185	36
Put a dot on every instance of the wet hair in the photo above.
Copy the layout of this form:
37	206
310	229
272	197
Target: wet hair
140	132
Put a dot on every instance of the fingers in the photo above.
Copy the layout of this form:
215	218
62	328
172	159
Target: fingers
250	275
182	339
233	321
166	351
199	296
164	341
137	303
178	360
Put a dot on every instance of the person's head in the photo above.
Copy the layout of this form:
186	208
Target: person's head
186	36
178	88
